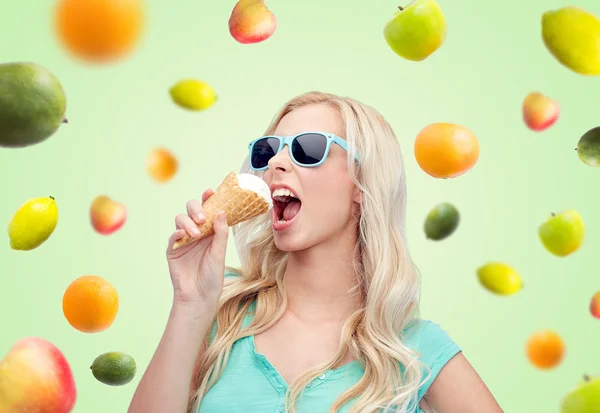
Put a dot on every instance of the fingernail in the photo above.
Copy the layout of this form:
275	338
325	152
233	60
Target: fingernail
195	231
199	217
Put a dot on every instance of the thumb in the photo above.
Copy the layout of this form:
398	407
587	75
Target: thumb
218	246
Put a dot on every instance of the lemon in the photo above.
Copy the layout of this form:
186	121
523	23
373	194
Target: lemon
33	223
193	94
572	35
499	278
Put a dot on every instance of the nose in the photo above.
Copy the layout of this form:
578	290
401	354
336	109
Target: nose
281	161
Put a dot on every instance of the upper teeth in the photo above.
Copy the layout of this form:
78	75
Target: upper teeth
283	192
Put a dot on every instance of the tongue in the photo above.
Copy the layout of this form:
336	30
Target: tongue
291	209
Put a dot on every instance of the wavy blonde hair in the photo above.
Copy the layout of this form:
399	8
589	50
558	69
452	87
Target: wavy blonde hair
386	277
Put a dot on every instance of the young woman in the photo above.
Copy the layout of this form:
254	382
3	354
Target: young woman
323	314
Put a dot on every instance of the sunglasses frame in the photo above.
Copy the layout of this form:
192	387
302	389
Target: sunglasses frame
288	140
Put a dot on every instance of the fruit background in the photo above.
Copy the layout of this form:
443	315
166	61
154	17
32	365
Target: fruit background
118	113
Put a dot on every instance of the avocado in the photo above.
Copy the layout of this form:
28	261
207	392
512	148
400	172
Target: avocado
441	221
32	104
114	368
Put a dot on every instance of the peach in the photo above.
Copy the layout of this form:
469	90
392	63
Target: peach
251	21
35	377
161	165
595	305
539	111
107	215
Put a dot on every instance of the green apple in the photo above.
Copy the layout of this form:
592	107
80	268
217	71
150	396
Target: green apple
563	233
417	30
583	399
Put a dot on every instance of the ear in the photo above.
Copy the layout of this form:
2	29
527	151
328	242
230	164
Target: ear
357	195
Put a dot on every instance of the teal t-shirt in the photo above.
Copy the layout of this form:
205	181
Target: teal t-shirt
250	383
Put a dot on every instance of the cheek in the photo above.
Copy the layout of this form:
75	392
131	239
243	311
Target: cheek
330	200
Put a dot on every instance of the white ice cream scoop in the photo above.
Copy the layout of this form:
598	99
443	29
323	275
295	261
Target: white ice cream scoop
256	184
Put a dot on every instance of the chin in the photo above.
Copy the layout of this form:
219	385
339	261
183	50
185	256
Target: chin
289	243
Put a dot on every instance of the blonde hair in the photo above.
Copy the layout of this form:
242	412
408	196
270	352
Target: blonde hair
386	277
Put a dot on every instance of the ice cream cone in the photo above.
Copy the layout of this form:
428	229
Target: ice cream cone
238	203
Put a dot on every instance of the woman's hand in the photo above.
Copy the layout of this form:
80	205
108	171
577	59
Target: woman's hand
197	269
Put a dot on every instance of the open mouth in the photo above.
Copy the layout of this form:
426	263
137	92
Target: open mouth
286	206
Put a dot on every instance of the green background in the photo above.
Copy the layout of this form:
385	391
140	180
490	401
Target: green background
492	58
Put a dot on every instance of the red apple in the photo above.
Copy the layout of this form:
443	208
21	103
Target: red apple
35	377
251	21
539	111
107	215
595	305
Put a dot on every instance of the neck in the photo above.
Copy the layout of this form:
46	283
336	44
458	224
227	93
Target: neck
318	281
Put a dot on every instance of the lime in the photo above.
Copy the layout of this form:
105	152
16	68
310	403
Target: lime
441	221
114	368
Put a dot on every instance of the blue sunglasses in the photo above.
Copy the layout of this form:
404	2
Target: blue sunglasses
308	149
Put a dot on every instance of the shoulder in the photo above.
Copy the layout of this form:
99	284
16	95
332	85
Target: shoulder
434	347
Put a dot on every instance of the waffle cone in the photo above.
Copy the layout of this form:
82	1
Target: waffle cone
238	204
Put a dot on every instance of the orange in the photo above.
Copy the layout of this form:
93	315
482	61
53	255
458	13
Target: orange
446	150
99	30
545	349
161	165
90	304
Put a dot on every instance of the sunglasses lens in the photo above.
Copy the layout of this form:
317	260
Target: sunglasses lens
309	149
262	151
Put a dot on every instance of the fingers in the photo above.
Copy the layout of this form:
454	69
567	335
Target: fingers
195	211
176	236
207	194
187	224
218	247
194	207
184	222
